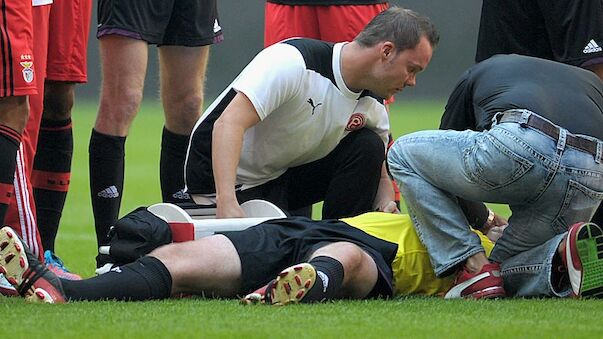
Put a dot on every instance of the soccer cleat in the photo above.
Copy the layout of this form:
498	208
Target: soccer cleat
6	289
487	283
25	273
56	266
584	259
258	296
290	286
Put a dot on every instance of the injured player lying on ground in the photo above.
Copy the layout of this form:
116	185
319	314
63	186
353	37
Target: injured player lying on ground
278	261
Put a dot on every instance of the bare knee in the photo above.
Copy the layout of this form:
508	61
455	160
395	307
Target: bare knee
14	112
360	270
117	111
58	100
124	69
182	113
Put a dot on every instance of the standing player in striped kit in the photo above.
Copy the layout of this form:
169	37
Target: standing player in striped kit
67	55
23	23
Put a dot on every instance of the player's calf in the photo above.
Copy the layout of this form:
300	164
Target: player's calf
318	280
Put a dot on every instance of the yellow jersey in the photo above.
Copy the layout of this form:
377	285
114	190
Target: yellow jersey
411	267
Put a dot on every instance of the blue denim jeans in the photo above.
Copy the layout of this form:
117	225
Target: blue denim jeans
547	184
532	273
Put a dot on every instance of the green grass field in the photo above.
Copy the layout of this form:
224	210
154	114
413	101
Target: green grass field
406	317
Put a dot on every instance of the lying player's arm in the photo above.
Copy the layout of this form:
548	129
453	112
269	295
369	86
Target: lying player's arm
227	141
385	198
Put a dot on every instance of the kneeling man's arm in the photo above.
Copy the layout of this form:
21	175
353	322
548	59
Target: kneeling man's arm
385	198
227	141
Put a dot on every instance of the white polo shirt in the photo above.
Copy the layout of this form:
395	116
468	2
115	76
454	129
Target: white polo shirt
304	106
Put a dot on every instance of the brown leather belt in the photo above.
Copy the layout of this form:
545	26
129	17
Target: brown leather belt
551	130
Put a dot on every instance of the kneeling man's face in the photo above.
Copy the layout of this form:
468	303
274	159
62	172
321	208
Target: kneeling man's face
400	69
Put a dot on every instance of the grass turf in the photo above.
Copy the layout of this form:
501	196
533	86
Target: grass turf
405	317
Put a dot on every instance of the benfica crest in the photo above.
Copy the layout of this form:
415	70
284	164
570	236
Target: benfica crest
28	72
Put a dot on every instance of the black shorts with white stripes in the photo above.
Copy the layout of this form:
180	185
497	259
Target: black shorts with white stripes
190	23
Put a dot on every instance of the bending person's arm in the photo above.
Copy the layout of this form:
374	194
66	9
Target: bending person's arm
227	141
385	200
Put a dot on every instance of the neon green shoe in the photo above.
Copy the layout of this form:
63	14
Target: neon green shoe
584	259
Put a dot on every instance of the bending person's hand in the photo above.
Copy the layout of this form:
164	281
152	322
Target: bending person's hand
230	209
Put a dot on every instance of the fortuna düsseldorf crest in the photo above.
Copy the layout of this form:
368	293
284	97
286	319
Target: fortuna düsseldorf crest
357	121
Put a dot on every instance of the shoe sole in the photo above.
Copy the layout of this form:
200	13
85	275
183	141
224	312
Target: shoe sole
589	251
292	284
7	289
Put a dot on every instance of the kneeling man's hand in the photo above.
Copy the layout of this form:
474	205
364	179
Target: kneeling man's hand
230	209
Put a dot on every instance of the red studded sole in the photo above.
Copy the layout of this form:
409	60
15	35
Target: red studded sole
13	260
292	284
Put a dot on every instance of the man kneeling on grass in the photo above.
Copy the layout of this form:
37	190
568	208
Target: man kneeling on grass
295	259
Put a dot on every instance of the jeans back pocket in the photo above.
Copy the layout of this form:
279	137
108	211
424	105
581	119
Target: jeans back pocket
579	204
493	165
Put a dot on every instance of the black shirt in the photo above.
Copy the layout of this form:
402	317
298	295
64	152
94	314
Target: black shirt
568	96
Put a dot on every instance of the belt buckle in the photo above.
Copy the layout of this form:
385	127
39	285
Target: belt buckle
524	119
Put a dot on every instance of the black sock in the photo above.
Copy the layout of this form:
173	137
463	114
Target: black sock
146	278
106	180
329	277
171	166
9	144
51	175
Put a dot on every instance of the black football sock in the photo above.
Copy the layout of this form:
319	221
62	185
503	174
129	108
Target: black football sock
146	278
51	175
9	144
329	278
171	166
106	180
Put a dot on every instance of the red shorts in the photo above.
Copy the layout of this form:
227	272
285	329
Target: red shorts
17	72
328	23
68	40
21	211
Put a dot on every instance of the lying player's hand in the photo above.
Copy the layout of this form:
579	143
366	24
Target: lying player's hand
496	232
390	207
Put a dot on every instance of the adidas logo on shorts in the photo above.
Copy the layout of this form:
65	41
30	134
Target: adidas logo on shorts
181	195
109	192
592	47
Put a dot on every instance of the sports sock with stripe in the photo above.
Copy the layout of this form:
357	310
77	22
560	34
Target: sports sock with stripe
51	176
329	278
106	165
146	278
171	166
9	144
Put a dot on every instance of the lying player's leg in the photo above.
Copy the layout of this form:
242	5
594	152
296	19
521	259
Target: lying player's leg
207	266
335	271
